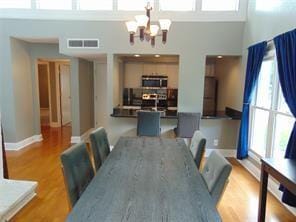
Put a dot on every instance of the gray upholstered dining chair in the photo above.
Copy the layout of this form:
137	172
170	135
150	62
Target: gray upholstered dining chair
187	124
77	170
215	174
197	147
148	123
100	146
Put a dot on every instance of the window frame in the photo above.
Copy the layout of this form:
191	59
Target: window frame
273	110
75	13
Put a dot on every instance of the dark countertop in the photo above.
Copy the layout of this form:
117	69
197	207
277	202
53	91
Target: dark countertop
132	113
168	114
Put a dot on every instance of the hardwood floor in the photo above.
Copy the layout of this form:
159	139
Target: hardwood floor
41	162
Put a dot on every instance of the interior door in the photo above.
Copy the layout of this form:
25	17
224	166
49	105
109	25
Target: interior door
65	94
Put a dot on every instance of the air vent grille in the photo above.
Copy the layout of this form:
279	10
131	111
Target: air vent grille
83	43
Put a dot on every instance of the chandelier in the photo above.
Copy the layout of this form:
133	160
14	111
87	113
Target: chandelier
147	30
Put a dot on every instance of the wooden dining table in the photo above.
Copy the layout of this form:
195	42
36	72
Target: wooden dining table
146	179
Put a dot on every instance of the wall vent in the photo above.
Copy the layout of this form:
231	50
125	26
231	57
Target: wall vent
83	43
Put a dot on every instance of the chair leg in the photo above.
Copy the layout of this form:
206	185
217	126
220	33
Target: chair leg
66	186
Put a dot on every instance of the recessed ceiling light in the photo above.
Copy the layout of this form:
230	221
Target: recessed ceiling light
137	55
157	56
219	57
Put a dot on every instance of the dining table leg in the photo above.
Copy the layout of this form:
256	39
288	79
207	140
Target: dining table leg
262	194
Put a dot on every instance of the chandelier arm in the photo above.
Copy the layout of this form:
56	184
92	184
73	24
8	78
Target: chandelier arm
137	36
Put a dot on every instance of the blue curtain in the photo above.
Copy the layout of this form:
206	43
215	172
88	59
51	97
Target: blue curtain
255	58
285	45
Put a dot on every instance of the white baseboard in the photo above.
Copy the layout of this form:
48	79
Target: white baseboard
273	186
21	144
223	152
83	138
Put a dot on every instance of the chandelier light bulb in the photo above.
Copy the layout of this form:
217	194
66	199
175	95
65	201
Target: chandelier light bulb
154	30
132	26
142	20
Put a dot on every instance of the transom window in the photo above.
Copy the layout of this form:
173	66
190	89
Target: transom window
271	121
95	5
218	5
177	5
54	4
133	5
26	4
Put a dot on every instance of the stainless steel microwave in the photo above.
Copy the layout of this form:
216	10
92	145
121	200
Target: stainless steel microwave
154	81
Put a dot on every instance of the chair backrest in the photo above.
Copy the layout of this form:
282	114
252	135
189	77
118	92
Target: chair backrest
215	174
78	171
197	147
188	123
148	123
100	146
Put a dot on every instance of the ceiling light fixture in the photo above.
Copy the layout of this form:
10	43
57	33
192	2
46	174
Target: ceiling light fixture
157	56
147	31
137	55
219	57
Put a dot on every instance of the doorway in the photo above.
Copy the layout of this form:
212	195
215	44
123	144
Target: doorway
54	81
44	93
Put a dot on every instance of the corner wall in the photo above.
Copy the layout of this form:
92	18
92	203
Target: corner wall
86	95
22	88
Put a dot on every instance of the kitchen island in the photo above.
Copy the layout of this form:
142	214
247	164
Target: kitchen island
171	113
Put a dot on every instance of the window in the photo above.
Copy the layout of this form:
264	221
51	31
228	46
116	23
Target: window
177	5
133	5
15	4
220	5
271	120
95	4
54	4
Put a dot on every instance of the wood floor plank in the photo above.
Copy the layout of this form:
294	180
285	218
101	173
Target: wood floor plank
40	162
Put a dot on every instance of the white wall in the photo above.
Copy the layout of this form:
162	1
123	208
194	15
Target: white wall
133	73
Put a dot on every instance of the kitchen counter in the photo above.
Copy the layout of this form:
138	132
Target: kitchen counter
132	113
170	113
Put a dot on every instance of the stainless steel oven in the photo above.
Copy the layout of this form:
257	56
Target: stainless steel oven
154	81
